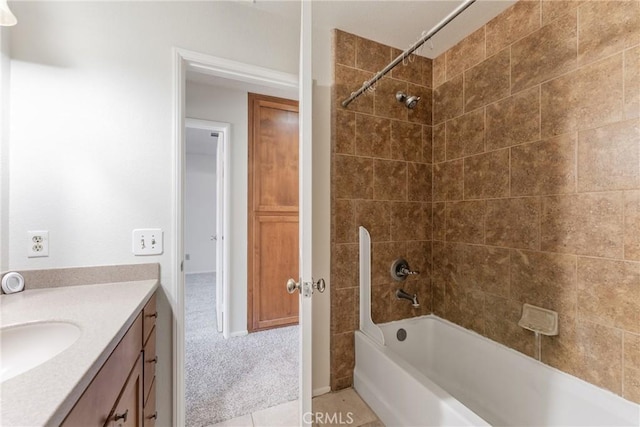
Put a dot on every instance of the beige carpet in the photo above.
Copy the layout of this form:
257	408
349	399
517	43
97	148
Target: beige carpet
228	378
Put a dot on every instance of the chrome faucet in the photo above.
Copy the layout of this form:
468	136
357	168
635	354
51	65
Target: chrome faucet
401	294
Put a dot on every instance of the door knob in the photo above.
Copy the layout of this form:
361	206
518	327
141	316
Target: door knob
319	285
292	286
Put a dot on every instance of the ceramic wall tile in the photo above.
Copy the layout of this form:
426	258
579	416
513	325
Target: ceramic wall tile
467	53
588	97
486	176
514	23
617	22
609	157
513	223
549	52
609	293
544	167
585	224
514	120
488	81
465	135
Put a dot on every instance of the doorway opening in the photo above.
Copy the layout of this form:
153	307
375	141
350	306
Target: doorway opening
206	208
240	373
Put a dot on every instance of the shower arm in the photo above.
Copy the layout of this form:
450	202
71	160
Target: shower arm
368	84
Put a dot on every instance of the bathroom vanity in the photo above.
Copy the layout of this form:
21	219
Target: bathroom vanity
120	394
106	376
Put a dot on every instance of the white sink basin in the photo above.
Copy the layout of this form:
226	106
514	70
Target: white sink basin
23	347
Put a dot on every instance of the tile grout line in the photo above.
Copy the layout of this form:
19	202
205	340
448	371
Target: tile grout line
624	73
540	112
540	204
577	12
576	161
511	69
622	365
540	13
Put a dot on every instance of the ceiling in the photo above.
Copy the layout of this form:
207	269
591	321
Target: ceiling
397	23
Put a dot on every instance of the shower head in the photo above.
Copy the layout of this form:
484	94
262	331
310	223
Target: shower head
409	101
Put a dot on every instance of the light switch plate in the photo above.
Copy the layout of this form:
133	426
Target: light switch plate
147	241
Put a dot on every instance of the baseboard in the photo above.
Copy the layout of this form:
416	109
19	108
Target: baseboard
238	333
321	390
199	272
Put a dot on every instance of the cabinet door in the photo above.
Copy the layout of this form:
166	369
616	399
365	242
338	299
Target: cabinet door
150	413
149	314
128	410
97	402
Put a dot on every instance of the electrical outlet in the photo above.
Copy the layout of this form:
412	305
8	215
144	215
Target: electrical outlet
37	244
147	241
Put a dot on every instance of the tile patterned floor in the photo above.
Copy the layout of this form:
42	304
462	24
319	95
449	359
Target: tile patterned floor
342	408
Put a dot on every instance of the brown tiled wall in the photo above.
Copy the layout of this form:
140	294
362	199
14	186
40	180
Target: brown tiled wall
521	186
381	179
536	183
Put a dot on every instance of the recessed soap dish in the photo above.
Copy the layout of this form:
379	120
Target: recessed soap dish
538	319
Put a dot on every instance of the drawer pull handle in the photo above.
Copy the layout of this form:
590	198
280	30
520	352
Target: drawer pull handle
154	315
154	360
154	416
122	417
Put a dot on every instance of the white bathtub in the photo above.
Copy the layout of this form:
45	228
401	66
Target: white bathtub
445	375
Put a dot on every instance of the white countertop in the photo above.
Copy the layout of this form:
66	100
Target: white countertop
45	394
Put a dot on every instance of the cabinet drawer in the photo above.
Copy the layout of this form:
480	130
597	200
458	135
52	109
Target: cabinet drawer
150	314
97	401
150	414
150	362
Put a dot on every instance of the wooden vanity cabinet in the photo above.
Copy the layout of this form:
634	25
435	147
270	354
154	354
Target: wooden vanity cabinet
123	389
150	413
128	410
150	314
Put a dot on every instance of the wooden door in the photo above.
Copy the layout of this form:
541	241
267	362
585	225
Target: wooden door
273	211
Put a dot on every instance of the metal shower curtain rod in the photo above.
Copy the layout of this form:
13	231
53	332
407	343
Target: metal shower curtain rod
408	52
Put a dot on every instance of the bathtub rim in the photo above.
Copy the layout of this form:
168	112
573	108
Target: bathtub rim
389	354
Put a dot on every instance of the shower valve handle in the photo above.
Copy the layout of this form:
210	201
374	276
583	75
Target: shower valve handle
400	270
406	272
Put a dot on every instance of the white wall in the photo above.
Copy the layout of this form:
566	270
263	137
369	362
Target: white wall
200	213
91	126
5	69
230	106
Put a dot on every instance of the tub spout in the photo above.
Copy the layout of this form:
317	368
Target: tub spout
401	294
